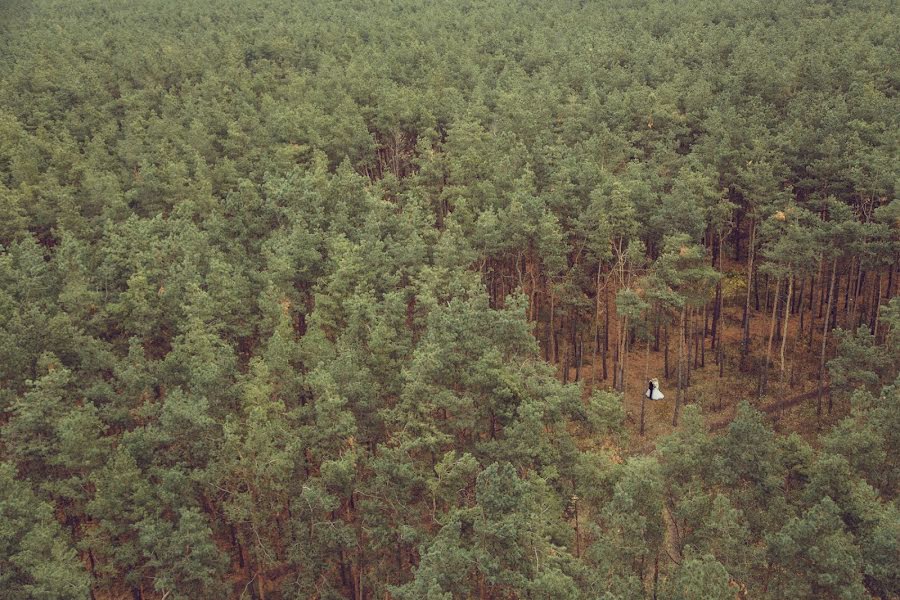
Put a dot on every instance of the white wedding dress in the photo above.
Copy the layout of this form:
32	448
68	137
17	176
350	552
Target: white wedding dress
657	395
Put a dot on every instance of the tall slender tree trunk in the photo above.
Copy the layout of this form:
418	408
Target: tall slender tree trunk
694	333
579	353
679	396
822	290
717	329
555	346
689	339
622	353
745	322
700	344
756	293
847	289
596	326
787	316
552	341
261	584
876	301
813	281
717	306
857	291
772	321
656	575
703	344
605	330
890	284
666	353
531	269
825	339
717	310
646	378
776	300
836	301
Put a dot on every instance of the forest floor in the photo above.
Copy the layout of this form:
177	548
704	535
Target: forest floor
718	396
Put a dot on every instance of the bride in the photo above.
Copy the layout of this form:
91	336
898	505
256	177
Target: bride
653	390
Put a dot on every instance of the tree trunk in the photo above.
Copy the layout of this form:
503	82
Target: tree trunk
835	302
824	340
717	329
688	341
666	353
703	348
605	330
717	309
847	289
596	327
717	306
554	350
261	584
890	284
622	354
701	341
680	392
772	321
655	574
646	378
756	293
787	316
695	334
691	348
813	280
822	290
776	301
573	341
745	322
579	360
857	290
876	301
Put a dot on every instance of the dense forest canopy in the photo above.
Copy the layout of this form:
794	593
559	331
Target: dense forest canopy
351	299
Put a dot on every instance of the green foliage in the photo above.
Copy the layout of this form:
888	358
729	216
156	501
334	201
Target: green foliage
859	363
274	296
816	556
36	558
700	577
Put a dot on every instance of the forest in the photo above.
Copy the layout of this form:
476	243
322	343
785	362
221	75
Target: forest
345	299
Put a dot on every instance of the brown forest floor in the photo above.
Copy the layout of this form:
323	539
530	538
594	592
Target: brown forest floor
719	397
